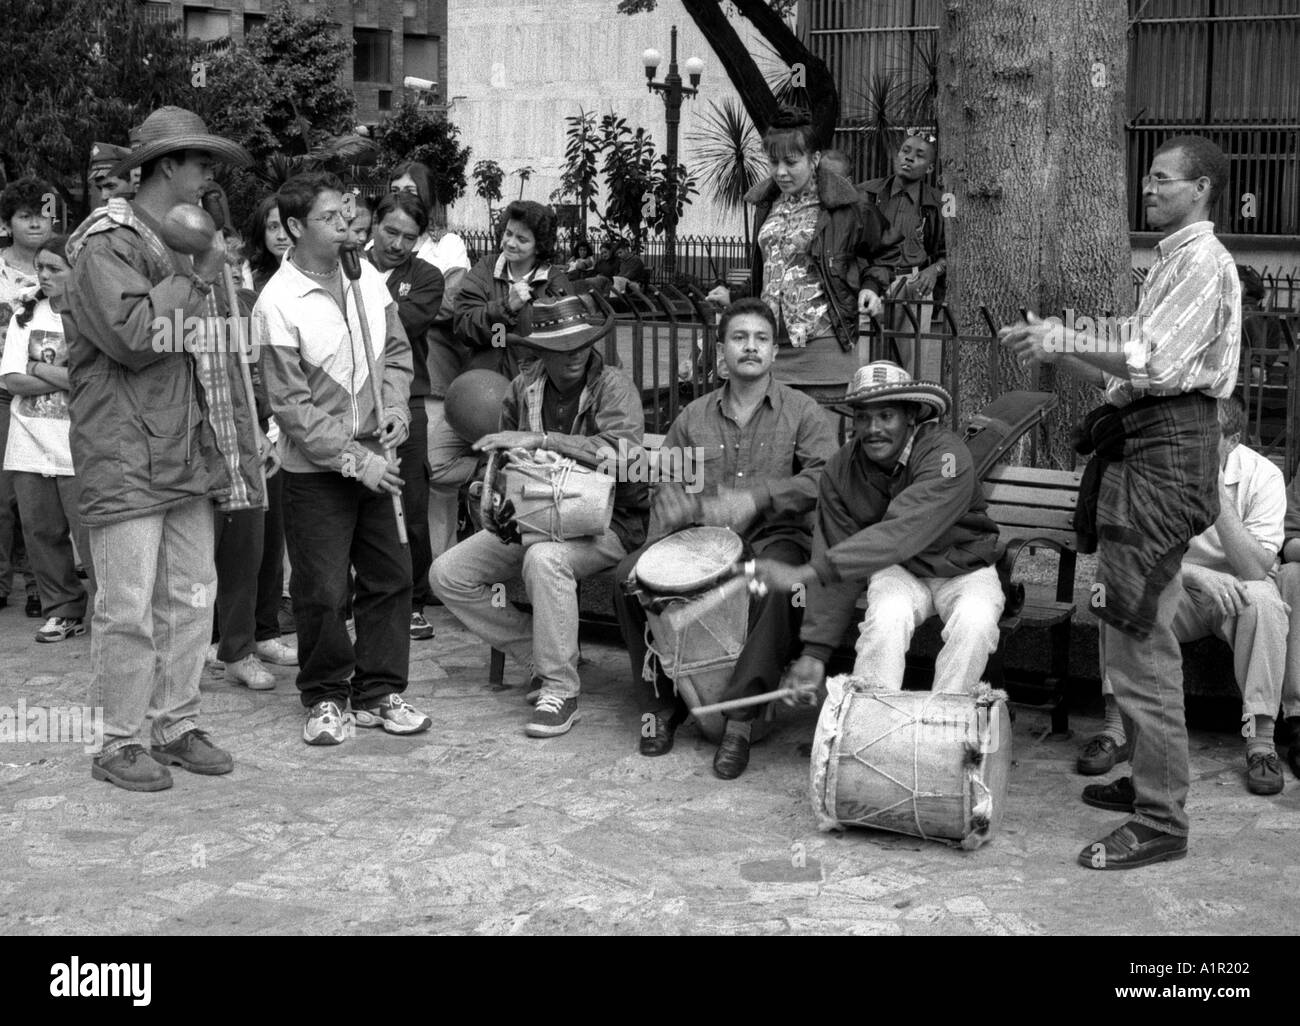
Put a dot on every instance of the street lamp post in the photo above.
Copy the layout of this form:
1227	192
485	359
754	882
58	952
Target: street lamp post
672	90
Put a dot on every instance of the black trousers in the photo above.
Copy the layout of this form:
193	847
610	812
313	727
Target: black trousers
332	522
270	575
414	454
774	622
239	537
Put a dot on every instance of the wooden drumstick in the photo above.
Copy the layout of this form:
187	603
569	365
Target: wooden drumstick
741	703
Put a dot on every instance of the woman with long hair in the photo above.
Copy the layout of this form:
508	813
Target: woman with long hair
267	244
38	454
814	242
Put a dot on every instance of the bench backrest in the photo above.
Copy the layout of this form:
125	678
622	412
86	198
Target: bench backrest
1029	503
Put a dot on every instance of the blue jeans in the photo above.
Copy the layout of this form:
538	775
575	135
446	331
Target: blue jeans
332	522
153	617
1148	680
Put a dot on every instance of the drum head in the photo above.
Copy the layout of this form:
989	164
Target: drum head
689	560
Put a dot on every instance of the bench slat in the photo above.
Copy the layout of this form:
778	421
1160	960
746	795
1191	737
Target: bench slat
1034	477
1031	516
1009	533
1018	495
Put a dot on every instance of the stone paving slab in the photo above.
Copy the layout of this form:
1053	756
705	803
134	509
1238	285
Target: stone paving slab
475	828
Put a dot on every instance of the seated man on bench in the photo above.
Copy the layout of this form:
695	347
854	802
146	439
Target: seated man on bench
1227	594
577	406
901	513
1288	582
771	443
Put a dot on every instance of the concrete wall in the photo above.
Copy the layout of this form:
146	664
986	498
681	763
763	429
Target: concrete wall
516	72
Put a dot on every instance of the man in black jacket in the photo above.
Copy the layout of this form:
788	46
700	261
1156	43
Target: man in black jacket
417	289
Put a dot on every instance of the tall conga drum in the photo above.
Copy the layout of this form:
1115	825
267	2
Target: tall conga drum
932	765
698	625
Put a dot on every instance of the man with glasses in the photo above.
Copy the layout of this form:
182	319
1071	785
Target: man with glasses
338	476
1162	372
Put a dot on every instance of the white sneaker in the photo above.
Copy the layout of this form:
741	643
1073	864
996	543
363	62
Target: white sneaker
394	714
325	725
250	672
277	651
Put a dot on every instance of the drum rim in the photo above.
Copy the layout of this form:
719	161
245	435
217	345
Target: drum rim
660	588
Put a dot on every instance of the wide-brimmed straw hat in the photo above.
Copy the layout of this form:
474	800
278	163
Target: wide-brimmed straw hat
563	326
887	382
169	129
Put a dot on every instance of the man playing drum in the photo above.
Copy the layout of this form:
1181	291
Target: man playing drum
762	447
573	404
900	512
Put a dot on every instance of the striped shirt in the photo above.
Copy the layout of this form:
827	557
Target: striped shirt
1186	334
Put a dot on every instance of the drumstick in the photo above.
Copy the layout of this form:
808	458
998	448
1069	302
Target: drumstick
212	204
351	261
741	703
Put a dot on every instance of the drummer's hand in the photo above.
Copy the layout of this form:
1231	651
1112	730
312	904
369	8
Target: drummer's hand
731	507
674	508
780	576
808	676
510	440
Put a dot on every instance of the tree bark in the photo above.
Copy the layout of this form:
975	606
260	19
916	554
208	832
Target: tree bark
1031	125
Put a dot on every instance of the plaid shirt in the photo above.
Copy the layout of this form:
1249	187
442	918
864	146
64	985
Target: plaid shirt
213	364
1186	334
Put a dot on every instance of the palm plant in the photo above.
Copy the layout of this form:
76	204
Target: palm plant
730	156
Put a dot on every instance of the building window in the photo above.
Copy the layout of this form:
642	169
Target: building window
253	23
157	12
203	23
409	9
385	99
370	55
420	56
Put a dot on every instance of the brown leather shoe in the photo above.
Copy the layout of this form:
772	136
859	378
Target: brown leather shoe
660	742
732	756
1263	774
130	767
1099	755
1117	796
1121	849
194	752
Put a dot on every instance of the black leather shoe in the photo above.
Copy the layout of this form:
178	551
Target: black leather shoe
1121	849
33	607
1117	796
661	741
1099	755
732	756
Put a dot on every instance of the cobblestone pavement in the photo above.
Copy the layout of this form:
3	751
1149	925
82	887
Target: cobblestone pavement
475	828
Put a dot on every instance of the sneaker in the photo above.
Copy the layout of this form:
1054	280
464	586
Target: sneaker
273	650
421	629
325	725
534	691
553	716
33	607
194	752
61	628
130	767
394	714
1263	774
250	672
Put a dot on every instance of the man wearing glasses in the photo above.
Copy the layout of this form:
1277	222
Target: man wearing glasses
338	477
1162	373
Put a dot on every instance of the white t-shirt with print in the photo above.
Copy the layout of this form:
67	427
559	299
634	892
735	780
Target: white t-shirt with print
38	424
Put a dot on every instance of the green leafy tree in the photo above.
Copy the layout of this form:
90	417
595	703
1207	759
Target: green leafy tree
76	71
413	132
731	156
305	57
526	172
637	187
488	179
580	173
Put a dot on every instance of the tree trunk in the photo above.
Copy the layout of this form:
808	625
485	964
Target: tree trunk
1031	114
744	73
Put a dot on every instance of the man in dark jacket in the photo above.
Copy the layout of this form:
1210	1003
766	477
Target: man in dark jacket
573	405
901	513
157	434
417	288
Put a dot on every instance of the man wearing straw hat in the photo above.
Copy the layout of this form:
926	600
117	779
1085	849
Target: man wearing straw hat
340	476
571	403
158	434
901	513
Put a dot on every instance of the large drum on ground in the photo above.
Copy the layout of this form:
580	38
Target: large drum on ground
914	762
698	626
